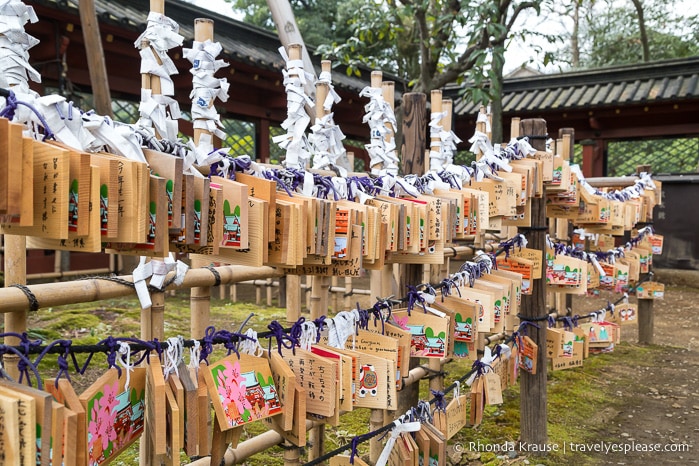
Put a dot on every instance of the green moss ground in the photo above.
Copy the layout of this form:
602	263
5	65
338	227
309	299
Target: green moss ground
572	395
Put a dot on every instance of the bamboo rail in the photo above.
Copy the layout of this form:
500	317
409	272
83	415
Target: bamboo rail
94	289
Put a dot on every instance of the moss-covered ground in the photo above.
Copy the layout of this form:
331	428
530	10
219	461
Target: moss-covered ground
576	398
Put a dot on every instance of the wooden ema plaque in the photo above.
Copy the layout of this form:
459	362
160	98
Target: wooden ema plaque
92	242
50	195
173	419
108	183
190	410
486	311
233	232
285	381
499	300
316	375
261	189
175	385
256	254
156	405
480	206
343	395
297	434
520	266
169	167
384	347
156	238
185	199
115	414
351	267
242	390
75	443
38	405
18	437
132	199
57	434
402	338
460	221
11	168
465	322
429	332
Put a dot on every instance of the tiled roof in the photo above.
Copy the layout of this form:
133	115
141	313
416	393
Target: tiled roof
241	42
639	84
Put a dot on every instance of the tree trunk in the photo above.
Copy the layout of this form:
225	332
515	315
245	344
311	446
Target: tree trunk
642	30
575	36
496	86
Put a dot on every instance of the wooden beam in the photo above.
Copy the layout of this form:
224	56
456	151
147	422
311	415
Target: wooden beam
95	58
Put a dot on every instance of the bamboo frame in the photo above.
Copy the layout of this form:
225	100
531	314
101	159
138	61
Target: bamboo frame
96	289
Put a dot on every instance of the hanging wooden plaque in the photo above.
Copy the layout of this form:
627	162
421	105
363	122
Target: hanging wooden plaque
57	433
297	434
11	434
63	392
429	333
465	322
177	388
70	440
402	338
173	419
233	232
190	411
50	194
285	381
185	199
438	445
343	393
204	429
242	390
108	193
317	376
92	242
156	406
114	413
257	253
43	410
169	167
262	189
11	168
456	415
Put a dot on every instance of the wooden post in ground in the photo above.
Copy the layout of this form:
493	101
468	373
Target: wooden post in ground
533	387
645	306
645	321
15	274
412	156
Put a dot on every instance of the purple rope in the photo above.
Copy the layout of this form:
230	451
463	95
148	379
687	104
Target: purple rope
207	346
11	104
282	338
439	403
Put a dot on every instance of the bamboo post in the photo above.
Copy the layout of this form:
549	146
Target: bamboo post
293	298
533	387
15	274
200	297
435	271
568	137
348	293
